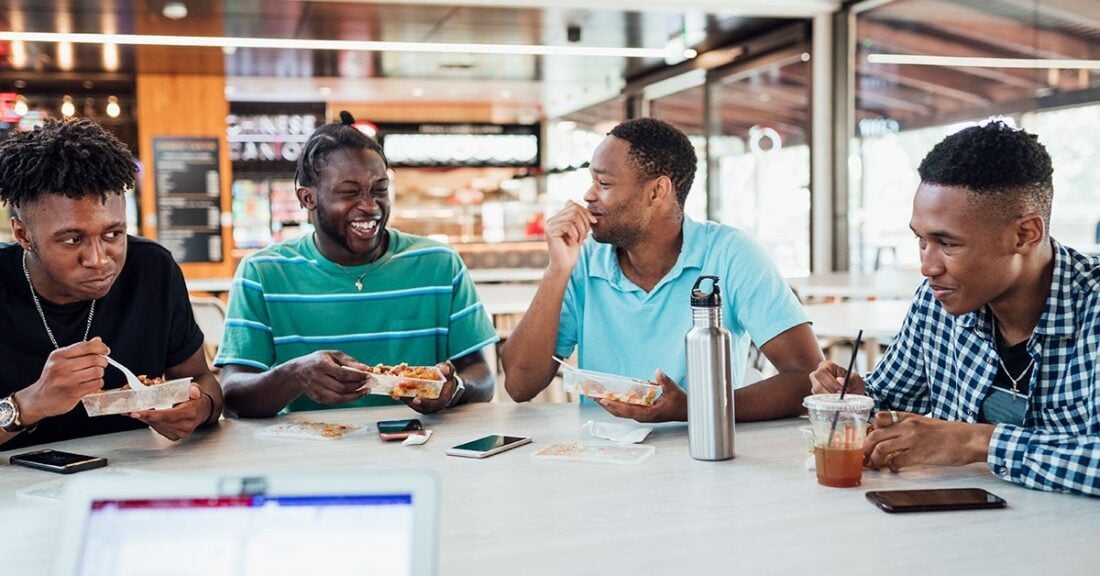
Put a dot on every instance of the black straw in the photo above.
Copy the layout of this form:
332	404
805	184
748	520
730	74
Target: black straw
844	386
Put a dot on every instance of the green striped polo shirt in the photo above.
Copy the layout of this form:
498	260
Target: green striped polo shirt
418	305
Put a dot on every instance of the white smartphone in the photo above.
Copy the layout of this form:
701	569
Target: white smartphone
487	446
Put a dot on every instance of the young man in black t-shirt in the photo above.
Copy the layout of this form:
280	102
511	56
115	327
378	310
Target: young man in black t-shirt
75	288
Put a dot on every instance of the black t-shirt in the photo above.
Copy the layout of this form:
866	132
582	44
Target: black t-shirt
145	319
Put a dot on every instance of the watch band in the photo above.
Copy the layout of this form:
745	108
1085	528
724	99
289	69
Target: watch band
460	390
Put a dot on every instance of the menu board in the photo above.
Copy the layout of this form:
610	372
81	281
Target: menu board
188	191
474	145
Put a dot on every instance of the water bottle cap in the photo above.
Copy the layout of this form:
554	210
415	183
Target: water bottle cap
710	298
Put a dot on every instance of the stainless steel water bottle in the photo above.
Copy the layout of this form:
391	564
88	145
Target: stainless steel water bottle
709	375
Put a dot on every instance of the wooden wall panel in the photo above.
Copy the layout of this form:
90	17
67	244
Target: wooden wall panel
181	92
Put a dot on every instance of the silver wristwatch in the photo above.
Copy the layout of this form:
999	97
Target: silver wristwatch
9	415
460	389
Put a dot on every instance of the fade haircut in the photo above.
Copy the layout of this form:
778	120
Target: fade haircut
326	140
71	158
658	148
1005	169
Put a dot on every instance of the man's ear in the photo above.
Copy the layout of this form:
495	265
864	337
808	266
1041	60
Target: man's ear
21	233
1030	232
306	198
662	190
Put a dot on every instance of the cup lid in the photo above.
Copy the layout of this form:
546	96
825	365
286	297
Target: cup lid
851	402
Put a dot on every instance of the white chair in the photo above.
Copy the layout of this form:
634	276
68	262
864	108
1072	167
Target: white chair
210	315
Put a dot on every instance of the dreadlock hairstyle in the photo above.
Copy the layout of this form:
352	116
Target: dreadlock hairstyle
994	162
327	139
70	158
657	148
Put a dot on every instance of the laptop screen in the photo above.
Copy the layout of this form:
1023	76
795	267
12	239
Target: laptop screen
250	535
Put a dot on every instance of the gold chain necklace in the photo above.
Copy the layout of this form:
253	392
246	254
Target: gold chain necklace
42	314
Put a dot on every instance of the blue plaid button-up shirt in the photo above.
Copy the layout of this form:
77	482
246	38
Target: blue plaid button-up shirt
944	365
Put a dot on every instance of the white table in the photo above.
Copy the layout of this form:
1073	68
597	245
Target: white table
879	319
884	284
761	513
501	299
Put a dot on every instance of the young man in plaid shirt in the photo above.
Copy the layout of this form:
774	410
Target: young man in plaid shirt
1000	347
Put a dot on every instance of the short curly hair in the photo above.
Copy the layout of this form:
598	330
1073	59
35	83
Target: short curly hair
70	158
326	140
995	162
658	148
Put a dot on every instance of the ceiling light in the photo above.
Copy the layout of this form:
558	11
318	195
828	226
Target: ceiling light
174	10
67	107
324	90
65	55
970	62
418	92
346	45
506	94
110	57
113	109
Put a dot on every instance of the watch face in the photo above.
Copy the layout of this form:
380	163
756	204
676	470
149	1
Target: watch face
7	413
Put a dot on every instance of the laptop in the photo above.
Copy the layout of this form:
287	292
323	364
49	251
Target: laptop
371	523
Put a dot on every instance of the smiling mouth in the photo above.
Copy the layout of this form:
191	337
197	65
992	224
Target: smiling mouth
365	227
940	292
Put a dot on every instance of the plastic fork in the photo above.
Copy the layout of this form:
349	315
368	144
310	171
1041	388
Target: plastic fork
133	381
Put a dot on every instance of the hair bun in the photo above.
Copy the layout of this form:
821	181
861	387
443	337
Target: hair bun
346	118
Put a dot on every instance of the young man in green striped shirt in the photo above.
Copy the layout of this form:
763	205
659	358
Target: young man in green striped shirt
303	310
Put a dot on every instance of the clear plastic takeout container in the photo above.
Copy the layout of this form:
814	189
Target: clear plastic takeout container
396	386
595	451
601	385
156	396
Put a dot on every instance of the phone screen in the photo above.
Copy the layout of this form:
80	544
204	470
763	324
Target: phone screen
396	426
933	500
489	443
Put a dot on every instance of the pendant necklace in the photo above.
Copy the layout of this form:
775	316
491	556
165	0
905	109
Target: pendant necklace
1015	381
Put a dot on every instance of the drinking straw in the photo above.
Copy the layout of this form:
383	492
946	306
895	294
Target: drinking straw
844	386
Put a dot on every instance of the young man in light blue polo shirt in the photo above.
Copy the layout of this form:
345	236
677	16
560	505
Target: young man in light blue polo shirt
622	296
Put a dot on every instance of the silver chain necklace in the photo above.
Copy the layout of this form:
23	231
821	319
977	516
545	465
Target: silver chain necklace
42	315
1015	381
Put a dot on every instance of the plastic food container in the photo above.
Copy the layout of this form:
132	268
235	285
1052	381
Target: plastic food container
405	387
601	385
157	396
595	451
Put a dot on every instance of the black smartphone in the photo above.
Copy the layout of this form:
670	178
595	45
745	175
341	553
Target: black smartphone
399	429
935	500
487	446
60	462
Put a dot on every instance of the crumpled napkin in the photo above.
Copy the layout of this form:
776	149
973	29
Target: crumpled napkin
417	439
617	432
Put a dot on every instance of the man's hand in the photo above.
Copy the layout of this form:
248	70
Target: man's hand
829	378
330	377
915	439
179	421
431	406
565	234
70	374
670	407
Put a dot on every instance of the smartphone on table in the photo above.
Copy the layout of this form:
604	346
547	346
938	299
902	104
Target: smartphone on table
57	461
399	429
935	500
487	446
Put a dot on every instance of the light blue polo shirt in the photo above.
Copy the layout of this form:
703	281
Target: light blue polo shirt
619	328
